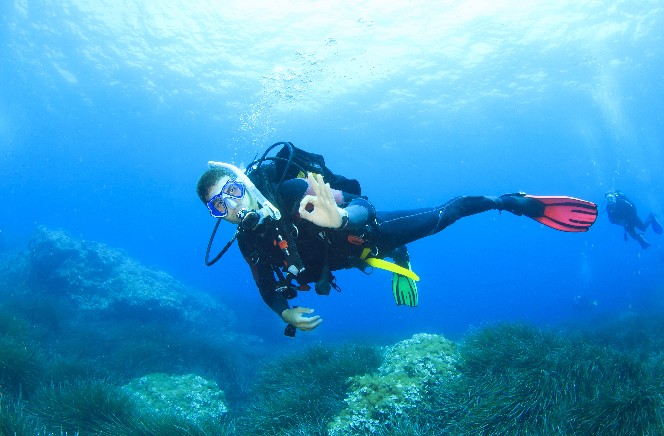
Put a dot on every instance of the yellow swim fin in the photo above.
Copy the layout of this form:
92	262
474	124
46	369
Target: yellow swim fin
404	290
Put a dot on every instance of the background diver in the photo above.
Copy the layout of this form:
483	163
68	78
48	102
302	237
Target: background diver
621	211
297	222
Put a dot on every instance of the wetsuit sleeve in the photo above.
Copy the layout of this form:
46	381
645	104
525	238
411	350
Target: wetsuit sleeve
265	279
267	284
291	193
360	213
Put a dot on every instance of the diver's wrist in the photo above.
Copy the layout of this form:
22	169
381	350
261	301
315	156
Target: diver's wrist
344	217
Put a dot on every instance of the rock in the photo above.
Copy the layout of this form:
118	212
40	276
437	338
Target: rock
101	279
410	368
189	397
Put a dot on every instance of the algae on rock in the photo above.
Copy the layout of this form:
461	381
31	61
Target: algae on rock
189	396
409	370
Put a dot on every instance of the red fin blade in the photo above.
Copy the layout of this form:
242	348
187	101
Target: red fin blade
567	214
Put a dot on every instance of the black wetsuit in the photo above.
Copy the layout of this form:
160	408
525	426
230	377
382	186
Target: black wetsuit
385	233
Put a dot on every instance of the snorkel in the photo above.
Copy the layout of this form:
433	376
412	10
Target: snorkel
267	209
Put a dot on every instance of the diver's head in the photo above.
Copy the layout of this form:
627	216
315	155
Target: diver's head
224	195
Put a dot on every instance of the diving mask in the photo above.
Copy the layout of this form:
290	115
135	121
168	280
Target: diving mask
220	203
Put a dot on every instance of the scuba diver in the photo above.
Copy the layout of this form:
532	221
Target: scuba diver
621	211
297	222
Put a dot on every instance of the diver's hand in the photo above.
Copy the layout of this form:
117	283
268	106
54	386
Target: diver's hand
325	212
295	317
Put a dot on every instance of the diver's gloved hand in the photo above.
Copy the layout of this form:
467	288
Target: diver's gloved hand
519	204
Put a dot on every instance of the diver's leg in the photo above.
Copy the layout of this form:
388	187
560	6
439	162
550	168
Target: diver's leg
642	241
637	237
396	228
654	224
400	256
640	224
632	220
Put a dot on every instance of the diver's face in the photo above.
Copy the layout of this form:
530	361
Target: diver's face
228	202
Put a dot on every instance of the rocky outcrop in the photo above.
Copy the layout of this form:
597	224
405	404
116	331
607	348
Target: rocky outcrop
409	370
102	279
190	397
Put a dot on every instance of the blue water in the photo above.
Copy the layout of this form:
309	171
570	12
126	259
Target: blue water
110	111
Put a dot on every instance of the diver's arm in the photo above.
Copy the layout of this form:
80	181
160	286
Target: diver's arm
360	213
263	275
299	198
267	285
322	208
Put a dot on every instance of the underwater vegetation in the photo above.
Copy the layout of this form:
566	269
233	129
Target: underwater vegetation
301	392
517	379
82	406
92	342
14	420
20	355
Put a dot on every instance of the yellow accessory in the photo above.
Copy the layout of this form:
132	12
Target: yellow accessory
303	175
388	266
